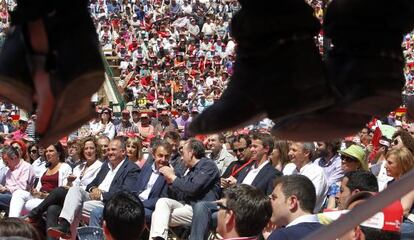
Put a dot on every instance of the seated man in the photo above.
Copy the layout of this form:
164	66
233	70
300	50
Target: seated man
18	175
150	185
301	154
199	183
354	182
259	173
122	211
117	174
293	201
243	212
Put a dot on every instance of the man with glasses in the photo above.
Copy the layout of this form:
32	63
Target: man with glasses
241	148
243	213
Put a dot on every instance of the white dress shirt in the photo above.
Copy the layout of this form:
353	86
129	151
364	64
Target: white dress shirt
253	173
154	176
106	183
317	176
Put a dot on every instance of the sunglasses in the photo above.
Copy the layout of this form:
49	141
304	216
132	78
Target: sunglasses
222	206
33	151
239	149
348	159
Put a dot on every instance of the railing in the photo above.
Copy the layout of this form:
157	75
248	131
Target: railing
118	96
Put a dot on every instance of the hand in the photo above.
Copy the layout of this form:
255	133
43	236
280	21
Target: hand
270	227
71	178
224	183
230	181
95	194
3	188
168	173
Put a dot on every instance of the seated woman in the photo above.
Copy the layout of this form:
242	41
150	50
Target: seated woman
83	174
134	151
55	175
399	162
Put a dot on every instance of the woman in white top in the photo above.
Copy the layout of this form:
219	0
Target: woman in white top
83	174
105	126
55	175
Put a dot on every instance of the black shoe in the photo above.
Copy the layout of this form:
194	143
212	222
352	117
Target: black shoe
61	231
278	70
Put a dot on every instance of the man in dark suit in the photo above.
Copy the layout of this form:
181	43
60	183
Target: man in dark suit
117	174
150	186
5	126
199	183
260	174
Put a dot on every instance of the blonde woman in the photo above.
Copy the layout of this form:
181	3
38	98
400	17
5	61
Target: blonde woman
399	162
134	151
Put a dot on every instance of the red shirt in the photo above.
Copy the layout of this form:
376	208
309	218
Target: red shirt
49	182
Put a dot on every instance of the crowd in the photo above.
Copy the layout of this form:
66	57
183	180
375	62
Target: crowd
175	59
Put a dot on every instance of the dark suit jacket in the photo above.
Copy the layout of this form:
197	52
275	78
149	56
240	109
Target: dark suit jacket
264	179
159	189
11	128
124	179
200	184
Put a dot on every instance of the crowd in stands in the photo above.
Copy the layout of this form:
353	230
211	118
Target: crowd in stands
175	59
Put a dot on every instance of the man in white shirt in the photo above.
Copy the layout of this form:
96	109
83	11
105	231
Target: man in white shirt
300	154
150	185
116	174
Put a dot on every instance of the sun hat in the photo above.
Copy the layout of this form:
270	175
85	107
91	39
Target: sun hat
356	152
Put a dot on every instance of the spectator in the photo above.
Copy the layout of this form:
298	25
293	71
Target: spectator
122	211
241	148
33	152
280	155
126	127
105	125
82	175
219	154
243	212
103	144
150	185
134	151
300	155
104	185
293	202
259	173
19	176
354	182
399	162
200	183
55	175
15	228
73	158
353	158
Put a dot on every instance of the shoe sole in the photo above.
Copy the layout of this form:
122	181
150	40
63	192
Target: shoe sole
318	127
57	234
81	88
17	93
